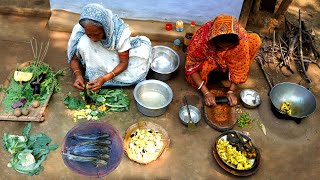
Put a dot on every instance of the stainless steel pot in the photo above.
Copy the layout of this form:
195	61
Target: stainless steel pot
152	97
165	61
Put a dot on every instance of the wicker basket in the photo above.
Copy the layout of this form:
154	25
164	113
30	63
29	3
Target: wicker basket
145	125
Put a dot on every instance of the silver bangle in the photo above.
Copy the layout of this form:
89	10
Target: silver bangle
201	85
230	91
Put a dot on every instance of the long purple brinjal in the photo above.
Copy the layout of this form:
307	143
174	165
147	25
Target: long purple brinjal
35	84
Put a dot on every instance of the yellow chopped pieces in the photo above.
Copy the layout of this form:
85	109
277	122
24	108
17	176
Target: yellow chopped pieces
229	154
22	76
286	108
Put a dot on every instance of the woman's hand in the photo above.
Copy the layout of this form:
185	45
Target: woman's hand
96	84
76	69
79	83
209	99
232	98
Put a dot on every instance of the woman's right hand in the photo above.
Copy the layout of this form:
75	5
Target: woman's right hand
79	83
209	99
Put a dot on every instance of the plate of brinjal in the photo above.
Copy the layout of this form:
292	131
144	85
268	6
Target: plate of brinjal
92	149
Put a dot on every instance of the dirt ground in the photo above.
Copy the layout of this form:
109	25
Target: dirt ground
288	151
264	22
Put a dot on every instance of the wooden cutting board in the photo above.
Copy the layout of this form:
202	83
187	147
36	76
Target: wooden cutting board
222	116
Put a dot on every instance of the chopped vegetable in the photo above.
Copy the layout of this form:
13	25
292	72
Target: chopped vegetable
286	108
231	155
145	144
20	76
244	120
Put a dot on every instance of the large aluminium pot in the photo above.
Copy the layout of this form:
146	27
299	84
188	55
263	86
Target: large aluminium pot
152	97
303	102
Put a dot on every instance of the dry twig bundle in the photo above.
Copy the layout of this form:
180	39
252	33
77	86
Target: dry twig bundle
296	46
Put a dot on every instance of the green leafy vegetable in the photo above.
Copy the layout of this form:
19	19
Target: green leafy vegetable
28	152
73	103
103	101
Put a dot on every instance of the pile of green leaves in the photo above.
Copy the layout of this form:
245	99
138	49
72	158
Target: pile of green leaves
110	99
28	152
16	91
73	103
244	120
115	99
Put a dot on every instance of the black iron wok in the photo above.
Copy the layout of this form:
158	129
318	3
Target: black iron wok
303	102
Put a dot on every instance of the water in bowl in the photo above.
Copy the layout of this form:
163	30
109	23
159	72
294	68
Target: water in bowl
152	99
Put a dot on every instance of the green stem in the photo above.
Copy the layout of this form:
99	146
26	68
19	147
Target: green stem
116	106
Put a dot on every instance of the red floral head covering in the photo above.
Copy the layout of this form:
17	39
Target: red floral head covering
224	24
203	57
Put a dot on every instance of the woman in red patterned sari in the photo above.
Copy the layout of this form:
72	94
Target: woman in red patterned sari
220	45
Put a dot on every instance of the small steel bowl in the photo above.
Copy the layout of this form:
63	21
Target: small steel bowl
194	113
152	97
250	98
165	61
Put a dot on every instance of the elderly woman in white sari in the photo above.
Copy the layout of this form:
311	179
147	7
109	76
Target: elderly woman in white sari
100	45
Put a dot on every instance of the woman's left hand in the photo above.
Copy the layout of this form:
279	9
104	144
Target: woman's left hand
96	84
232	98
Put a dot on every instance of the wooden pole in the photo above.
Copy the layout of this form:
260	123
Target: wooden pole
245	12
283	8
256	6
301	52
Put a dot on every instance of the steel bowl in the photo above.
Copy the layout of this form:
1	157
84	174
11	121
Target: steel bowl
165	61
152	97
194	113
302	101
250	98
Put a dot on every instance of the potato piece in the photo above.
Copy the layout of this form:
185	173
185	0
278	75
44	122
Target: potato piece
35	103
25	111
17	112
